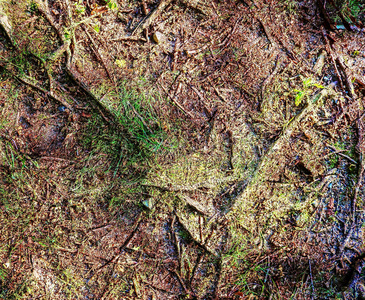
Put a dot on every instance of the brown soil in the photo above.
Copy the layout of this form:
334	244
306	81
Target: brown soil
183	149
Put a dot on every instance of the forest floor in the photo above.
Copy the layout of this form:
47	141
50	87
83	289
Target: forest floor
182	149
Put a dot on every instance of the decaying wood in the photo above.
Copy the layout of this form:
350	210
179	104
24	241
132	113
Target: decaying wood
320	62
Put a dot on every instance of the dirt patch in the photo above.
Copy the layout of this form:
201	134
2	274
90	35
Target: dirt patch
182	149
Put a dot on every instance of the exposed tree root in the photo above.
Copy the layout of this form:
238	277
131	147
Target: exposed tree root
25	79
278	144
196	205
4	25
356	276
199	243
66	49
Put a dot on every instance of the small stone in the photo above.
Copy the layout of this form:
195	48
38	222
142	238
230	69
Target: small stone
148	203
157	37
62	108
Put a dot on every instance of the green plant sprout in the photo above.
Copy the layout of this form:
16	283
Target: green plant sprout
80	8
304	94
112	5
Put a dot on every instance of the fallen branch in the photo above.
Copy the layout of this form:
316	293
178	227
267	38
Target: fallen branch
147	21
57	159
174	272
268	35
220	96
361	148
229	36
341	154
347	75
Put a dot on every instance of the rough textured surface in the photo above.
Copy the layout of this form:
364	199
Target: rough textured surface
244	126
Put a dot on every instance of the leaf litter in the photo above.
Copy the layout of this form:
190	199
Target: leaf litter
243	125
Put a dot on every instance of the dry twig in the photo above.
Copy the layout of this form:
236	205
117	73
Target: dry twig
176	102
136	225
129	38
97	54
